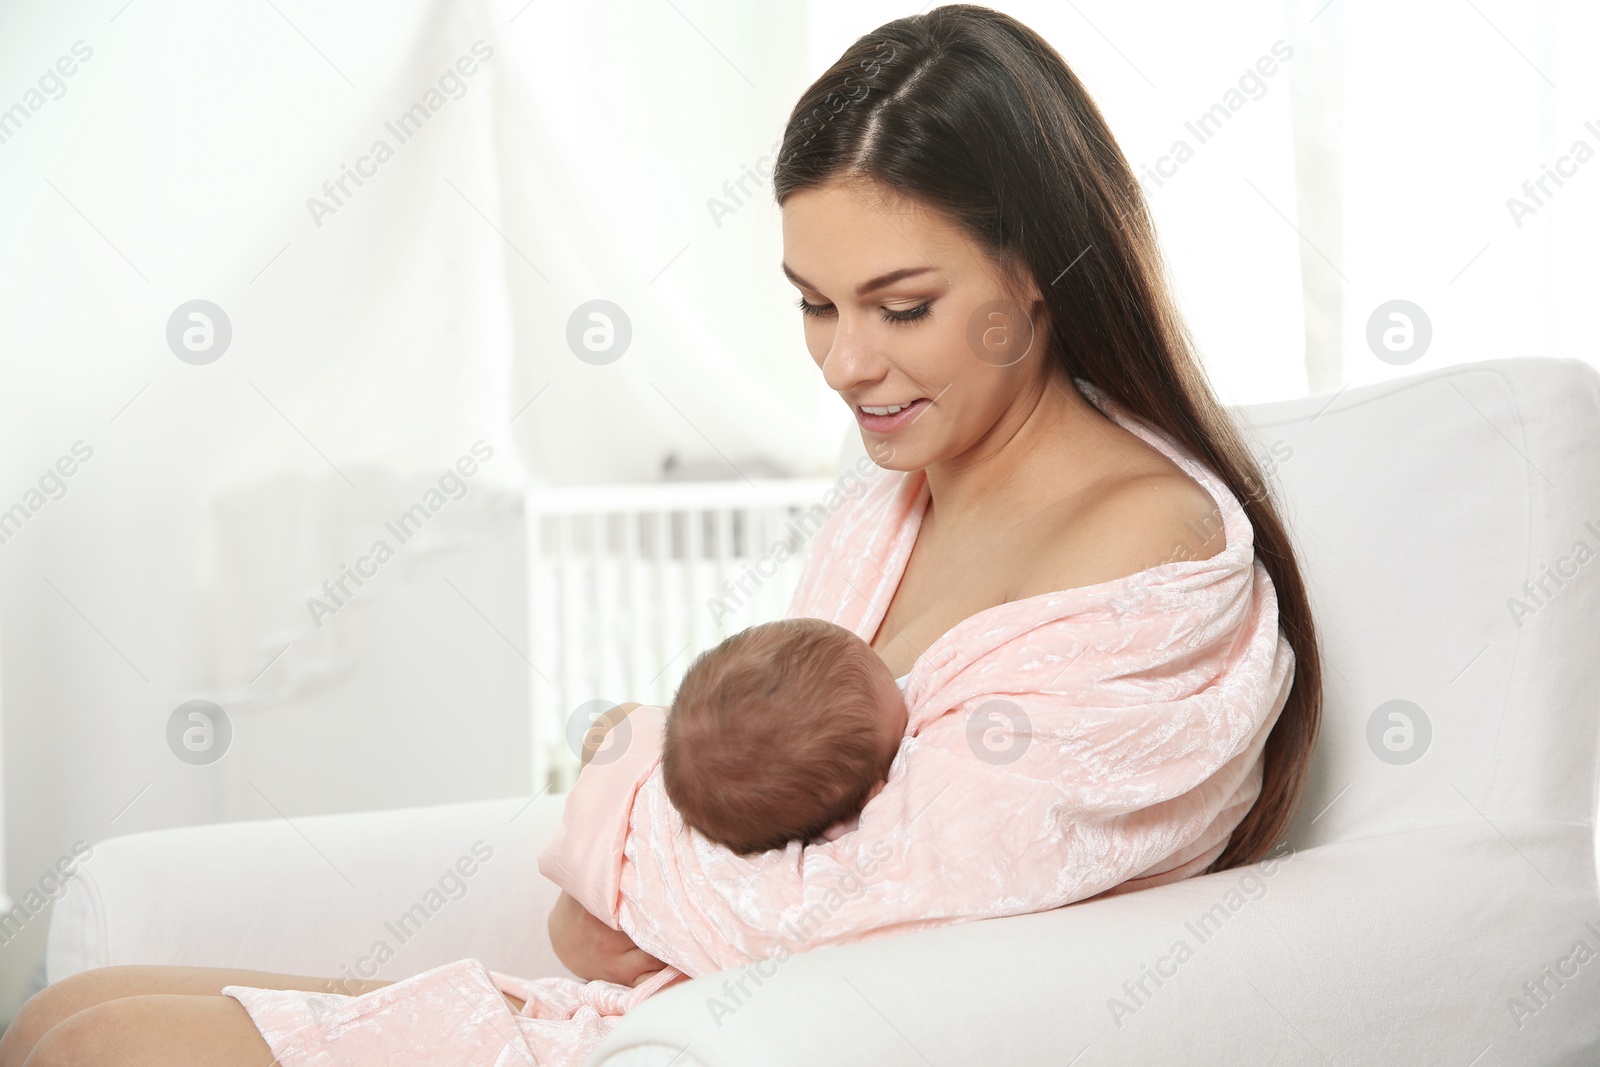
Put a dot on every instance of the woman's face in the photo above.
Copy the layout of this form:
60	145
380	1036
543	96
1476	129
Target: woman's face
911	326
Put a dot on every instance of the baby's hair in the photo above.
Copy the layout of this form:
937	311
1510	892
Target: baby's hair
749	762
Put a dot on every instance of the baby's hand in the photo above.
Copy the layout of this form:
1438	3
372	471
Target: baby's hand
595	736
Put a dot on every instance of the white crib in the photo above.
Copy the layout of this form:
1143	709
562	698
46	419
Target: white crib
628	583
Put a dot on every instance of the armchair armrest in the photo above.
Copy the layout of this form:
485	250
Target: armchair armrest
1403	947
1434	944
382	894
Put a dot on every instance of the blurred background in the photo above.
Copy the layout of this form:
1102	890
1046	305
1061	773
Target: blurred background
386	388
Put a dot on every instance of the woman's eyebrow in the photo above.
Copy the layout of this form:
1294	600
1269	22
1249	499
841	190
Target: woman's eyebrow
865	287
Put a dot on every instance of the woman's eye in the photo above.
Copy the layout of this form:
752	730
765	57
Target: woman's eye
910	315
818	310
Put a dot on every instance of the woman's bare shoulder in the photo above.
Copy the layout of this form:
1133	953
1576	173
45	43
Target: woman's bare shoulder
1129	525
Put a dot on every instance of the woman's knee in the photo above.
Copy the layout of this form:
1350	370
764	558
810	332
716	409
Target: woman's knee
96	986
58	1001
81	1039
42	1011
154	1030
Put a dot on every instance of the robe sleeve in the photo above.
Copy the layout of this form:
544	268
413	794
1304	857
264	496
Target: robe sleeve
584	857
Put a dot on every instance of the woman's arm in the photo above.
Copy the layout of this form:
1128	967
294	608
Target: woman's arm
592	950
588	947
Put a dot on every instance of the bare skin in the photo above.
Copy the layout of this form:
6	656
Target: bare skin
1032	490
138	1015
149	1015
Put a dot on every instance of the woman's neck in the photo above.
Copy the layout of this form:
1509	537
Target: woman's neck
1051	437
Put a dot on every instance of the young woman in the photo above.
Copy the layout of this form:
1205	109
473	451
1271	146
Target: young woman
969	244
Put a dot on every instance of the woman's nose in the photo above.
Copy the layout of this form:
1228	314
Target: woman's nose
850	361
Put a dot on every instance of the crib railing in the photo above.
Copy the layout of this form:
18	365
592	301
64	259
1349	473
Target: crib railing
628	583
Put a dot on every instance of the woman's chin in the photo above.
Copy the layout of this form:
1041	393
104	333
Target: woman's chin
890	456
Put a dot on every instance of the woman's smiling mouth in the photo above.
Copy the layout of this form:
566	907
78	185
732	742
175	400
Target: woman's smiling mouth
886	418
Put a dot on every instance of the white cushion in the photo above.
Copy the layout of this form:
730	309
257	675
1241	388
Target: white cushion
1419	508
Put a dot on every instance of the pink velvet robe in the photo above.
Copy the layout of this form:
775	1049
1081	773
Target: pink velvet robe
1074	744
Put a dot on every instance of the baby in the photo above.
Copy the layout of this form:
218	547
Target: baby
781	733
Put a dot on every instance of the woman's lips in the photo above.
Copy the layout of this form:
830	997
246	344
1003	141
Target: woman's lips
890	423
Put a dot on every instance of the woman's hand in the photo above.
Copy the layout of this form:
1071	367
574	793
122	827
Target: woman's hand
592	950
595	736
589	948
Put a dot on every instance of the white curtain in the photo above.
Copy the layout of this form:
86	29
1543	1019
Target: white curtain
370	350
632	172
1376	164
1449	110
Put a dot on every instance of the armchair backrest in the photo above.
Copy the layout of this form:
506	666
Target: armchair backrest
1448	526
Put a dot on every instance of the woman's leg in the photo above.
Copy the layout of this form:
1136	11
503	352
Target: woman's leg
56	1003
136	998
155	1030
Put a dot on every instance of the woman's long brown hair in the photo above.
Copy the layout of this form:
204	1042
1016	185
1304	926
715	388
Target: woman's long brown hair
970	113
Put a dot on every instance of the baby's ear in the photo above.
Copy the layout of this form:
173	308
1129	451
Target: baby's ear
838	829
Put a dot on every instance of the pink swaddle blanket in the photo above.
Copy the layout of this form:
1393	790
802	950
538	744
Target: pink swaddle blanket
1081	743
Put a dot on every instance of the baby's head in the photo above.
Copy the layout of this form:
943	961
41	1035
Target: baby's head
779	732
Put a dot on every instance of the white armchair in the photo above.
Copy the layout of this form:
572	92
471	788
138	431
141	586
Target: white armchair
1436	901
